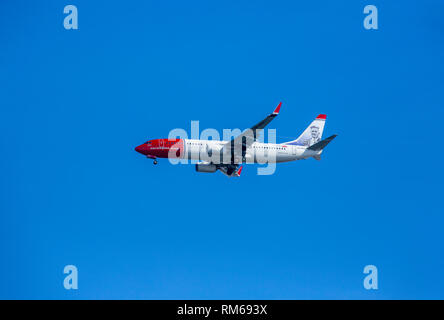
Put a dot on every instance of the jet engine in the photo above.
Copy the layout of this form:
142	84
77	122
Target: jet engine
206	168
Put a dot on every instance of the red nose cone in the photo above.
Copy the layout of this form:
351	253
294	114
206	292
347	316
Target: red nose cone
143	149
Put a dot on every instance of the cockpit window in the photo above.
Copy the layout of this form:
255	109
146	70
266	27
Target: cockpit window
148	142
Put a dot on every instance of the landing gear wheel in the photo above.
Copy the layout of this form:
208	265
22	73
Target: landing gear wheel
155	162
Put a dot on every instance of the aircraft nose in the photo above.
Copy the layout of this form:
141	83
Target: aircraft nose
143	149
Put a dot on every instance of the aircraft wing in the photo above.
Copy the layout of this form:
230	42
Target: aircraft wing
230	170
238	145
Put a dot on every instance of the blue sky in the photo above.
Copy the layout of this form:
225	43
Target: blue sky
74	104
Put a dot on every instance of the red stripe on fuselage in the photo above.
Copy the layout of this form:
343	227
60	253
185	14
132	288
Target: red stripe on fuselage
162	148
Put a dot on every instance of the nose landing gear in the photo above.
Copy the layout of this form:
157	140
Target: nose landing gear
152	157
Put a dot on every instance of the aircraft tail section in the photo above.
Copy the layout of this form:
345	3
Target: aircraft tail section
312	134
322	144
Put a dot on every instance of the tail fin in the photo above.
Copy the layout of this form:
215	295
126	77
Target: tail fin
312	134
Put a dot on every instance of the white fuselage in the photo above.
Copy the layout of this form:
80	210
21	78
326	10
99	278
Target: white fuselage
210	151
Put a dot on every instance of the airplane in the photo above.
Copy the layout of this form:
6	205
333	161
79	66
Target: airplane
227	156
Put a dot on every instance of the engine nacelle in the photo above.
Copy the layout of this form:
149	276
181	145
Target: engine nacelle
206	168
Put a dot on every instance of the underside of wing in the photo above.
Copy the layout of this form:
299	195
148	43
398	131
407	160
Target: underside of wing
230	170
237	146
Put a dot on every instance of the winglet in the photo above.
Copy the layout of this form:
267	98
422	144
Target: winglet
322	116
276	111
239	171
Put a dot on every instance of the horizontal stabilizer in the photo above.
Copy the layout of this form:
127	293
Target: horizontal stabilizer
322	144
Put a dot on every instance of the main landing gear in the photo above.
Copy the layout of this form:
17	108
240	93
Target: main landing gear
155	162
